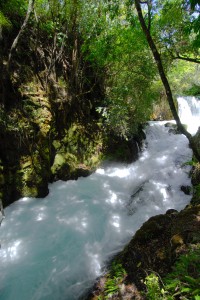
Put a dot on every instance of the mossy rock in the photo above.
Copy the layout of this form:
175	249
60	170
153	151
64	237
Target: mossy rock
80	171
153	228
159	242
31	180
63	165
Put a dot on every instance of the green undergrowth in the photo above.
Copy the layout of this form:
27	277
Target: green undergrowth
182	283
113	281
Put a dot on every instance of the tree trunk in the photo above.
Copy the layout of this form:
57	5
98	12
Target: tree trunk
9	94
164	79
15	42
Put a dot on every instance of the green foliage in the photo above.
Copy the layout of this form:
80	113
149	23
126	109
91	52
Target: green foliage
106	36
117	270
4	21
13	8
184	78
185	278
182	283
111	287
193	162
153	287
115	277
197	190
122	52
194	90
177	28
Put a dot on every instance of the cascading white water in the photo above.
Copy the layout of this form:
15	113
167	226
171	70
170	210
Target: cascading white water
54	248
189	108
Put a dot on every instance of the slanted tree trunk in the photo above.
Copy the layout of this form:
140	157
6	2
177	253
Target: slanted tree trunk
164	79
9	94
16	40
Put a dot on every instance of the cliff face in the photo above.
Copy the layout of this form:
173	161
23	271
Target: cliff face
43	141
46	135
36	147
49	125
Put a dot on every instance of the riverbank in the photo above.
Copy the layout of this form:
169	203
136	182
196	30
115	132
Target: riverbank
138	272
85	222
44	139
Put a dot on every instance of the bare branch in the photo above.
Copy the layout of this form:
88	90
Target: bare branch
194	60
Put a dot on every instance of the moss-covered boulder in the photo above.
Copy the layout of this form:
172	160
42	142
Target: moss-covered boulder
31	180
154	248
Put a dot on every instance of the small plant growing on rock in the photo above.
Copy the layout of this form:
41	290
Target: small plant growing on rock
182	283
153	287
115	278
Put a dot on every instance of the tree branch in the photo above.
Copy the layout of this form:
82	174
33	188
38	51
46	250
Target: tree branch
164	79
16	40
194	60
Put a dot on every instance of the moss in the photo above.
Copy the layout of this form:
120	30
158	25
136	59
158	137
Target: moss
77	152
152	228
49	141
30	179
59	161
63	164
57	144
95	160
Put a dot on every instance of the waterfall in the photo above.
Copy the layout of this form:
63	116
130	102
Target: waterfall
189	112
54	248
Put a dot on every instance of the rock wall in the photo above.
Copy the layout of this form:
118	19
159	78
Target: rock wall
33	151
44	138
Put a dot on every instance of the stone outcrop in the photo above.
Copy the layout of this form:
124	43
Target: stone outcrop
44	139
33	151
155	247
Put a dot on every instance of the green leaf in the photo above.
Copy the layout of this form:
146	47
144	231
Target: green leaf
4	21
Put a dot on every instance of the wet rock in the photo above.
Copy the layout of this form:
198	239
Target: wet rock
155	247
171	125
196	175
196	140
186	189
171	211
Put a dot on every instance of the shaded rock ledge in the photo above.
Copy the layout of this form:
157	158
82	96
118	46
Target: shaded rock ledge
44	140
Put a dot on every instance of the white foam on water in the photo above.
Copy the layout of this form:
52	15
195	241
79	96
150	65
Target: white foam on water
54	248
189	108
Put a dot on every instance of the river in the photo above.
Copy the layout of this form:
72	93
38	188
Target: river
54	248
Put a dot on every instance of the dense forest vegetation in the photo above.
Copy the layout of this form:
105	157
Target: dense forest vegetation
77	81
98	48
98	69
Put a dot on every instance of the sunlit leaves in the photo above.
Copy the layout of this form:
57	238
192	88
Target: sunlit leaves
177	28
123	52
4	21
